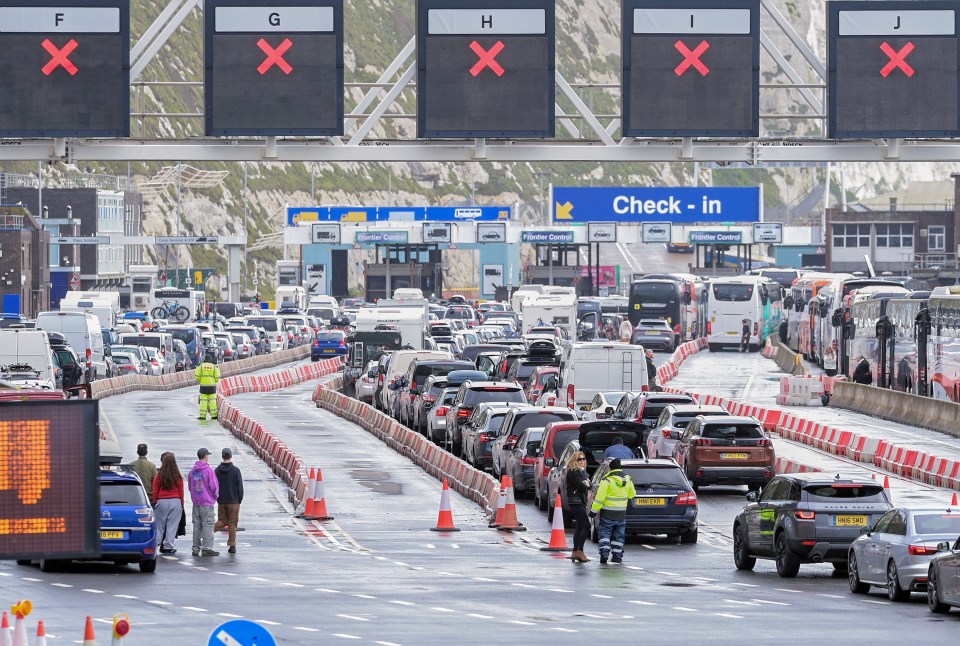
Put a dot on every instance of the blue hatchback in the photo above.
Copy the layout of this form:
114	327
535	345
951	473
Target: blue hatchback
329	343
128	531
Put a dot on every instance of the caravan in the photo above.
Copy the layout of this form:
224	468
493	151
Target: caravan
599	366
410	322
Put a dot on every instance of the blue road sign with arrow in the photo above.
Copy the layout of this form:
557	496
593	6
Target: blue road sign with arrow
241	632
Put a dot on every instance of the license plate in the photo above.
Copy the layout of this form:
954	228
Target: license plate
329	350
731	334
734	456
651	333
850	521
110	534
650	502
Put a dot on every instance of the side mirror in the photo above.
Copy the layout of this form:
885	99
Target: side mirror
752	496
866	530
585	408
509	446
549	462
107	351
608	410
675	435
943	546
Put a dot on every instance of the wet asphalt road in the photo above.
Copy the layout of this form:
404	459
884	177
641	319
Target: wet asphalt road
376	574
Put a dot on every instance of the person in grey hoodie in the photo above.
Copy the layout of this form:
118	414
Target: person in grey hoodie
204	491
231	495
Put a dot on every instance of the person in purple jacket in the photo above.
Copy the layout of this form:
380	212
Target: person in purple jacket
204	491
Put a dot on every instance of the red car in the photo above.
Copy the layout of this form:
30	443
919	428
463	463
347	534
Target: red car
538	379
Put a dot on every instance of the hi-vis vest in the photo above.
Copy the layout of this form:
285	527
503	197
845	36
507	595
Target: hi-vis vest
207	374
615	491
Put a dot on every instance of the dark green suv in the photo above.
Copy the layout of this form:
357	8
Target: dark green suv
806	518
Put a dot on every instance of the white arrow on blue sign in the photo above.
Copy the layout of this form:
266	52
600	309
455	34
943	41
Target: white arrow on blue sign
241	632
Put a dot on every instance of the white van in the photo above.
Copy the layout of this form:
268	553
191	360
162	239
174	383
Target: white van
600	366
82	332
23	347
400	361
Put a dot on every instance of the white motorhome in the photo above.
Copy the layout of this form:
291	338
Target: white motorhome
598	366
559	309
407	293
104	309
520	294
28	349
165	299
410	322
291	294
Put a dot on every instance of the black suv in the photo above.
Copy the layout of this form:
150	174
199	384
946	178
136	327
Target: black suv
67	360
472	393
806	518
539	353
415	379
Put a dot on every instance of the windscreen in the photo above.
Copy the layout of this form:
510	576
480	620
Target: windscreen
666	475
732	293
937	524
651	293
495	423
534	440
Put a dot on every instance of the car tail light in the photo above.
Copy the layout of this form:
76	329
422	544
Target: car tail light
279	338
767	473
921	550
492	388
442	411
145	515
570	392
763	442
666	433
463	413
805	515
756	329
89	357
709	327
676	329
483	437
528	460
688	498
343	343
429	399
380	379
316	344
702	441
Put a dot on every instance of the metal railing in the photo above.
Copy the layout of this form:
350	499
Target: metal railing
934	261
72	180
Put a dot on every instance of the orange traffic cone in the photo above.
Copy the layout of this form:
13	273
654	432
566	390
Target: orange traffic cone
311	489
20	609
319	511
886	482
510	522
41	635
953	502
88	637
501	504
6	635
445	519
558	535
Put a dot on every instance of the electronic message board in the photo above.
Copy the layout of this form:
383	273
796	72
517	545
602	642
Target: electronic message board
691	68
485	68
274	67
65	69
893	69
49	487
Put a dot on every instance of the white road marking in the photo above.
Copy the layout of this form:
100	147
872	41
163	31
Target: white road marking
354	617
788	590
448	574
327	590
386	643
402	603
159	603
431	547
643	603
201	568
345	636
521	623
226	573
479	616
267	622
703	578
439	609
194	609
746	585
125	596
683	609
563	630
634	567
454	546
292	585
401	563
523	585
61	585
744	603
415	567
831	596
256	578
229	615
772	603
364	596
484	579
667	573
649	547
723	614
559	590
92	590
5	574
309	630
879	603
30	578
601	596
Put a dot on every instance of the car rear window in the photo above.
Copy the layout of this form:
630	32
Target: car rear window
268	324
449	397
495	423
188	336
122	493
731	432
534	442
732	293
330	336
846	491
937	523
562	438
533	420
666	475
499	394
130	339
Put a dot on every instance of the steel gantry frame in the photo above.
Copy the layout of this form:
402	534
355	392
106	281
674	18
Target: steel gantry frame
590	139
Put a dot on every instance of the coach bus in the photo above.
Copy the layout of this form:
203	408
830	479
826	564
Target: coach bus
677	299
734	301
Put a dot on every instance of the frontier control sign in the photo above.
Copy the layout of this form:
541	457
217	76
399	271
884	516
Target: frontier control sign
677	205
716	237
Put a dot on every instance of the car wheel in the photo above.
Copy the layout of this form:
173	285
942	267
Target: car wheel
550	514
542	502
894	591
713	347
24	561
690	537
853	576
788	563
933	596
51	565
594	535
148	567
741	550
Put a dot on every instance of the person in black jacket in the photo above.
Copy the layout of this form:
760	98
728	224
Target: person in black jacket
862	374
228	502
578	486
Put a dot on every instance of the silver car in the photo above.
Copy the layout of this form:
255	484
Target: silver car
654	334
156	364
670	425
437	417
366	385
896	552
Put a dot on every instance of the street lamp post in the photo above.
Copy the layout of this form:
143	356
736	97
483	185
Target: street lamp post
543	198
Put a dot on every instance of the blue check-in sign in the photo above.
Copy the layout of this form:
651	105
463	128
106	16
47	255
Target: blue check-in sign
682	205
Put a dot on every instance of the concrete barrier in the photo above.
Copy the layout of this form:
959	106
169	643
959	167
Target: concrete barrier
896	406
786	359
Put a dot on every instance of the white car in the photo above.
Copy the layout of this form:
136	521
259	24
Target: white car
155	364
437	417
602	406
367	383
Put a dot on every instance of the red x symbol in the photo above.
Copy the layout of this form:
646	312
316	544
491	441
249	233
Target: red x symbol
275	56
487	58
692	58
58	57
897	59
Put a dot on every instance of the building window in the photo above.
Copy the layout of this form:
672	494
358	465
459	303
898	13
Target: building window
937	238
895	236
851	235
